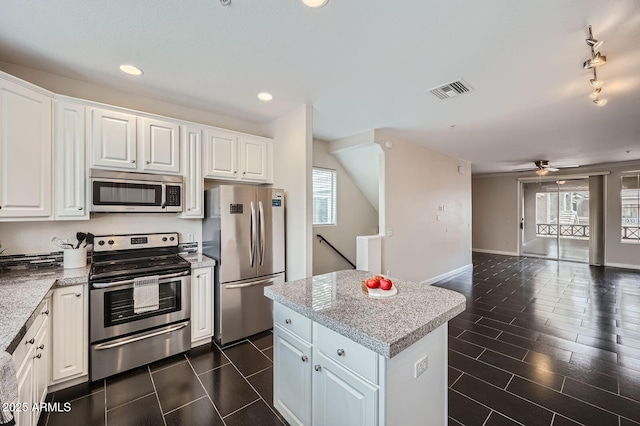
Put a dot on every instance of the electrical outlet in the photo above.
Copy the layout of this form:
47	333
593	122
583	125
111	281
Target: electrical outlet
420	367
389	232
189	238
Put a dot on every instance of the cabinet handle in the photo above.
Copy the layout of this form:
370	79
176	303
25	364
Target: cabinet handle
133	161
79	207
244	173
30	342
287	321
317	367
38	356
305	358
78	294
46	312
340	352
41	346
235	171
147	161
198	276
0	207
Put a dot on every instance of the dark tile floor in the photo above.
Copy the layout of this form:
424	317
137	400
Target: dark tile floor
544	343
205	386
541	343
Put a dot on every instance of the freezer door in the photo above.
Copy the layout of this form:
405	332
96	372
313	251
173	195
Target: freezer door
242	310
238	230
270	253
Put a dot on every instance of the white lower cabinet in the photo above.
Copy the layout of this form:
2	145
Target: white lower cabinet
69	333
323	378
341	397
32	362
201	306
292	377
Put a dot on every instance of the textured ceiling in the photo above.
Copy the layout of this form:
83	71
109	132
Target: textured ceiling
364	64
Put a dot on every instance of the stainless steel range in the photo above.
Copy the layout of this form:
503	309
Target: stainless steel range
126	330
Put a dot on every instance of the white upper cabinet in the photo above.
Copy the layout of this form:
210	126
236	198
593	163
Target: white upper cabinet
69	162
160	142
25	150
221	155
113	139
237	157
192	167
124	141
254	153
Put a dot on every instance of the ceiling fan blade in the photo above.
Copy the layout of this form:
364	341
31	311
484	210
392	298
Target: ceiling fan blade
569	166
528	169
552	169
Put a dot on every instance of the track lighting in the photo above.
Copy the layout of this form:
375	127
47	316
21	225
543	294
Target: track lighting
596	60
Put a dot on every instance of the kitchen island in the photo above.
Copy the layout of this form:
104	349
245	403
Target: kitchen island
342	357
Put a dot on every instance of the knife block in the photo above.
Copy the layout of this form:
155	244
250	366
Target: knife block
75	258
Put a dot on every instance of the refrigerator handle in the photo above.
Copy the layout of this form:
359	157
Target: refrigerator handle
261	225
252	245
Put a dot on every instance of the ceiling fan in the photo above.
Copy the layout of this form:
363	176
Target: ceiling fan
542	167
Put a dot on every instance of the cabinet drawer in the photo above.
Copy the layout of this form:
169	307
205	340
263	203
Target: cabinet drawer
346	352
29	338
292	321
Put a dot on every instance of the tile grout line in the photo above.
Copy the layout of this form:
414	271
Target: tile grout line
259	350
205	389
128	402
491	409
188	403
153	382
213	369
243	407
258	372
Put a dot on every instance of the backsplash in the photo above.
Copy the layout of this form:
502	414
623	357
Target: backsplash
33	261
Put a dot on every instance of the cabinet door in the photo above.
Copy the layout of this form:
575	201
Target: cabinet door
340	397
221	155
25	152
69	162
201	304
192	168
24	417
113	139
253	159
69	333
160	142
41	367
291	377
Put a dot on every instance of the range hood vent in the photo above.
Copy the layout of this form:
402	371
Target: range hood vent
451	90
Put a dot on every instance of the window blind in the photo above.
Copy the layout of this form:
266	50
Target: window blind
324	196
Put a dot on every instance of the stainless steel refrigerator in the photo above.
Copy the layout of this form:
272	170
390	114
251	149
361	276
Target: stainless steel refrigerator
243	230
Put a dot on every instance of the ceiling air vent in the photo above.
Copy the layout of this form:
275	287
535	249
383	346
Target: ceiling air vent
451	90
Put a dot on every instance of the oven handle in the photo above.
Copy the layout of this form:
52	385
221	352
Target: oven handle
232	286
105	346
123	282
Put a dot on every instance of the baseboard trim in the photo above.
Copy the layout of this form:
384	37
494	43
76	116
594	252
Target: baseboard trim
621	265
448	274
505	253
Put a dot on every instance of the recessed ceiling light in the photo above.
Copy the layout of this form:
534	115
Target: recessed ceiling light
130	69
315	3
264	96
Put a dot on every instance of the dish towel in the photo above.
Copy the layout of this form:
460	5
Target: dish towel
145	294
8	387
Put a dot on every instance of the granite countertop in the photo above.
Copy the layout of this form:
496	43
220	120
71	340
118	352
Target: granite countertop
22	292
386	326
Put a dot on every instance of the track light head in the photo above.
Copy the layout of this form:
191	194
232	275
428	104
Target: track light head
593	43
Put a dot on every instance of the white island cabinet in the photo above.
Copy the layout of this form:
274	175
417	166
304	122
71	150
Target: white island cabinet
341	357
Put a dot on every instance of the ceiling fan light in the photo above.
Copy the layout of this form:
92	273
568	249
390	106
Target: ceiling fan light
315	3
542	172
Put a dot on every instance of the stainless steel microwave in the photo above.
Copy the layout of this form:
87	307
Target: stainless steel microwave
123	192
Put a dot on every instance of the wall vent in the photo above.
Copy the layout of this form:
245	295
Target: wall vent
451	90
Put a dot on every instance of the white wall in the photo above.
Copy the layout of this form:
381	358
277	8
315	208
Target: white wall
292	151
80	89
418	180
501	234
355	216
35	237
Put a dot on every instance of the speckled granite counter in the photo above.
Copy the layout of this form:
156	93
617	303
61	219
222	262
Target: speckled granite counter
198	260
22	292
386	326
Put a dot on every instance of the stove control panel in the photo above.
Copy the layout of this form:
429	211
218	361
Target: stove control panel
135	241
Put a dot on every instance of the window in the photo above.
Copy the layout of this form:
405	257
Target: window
630	208
324	196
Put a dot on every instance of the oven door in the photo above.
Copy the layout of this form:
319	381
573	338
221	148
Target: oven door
111	306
